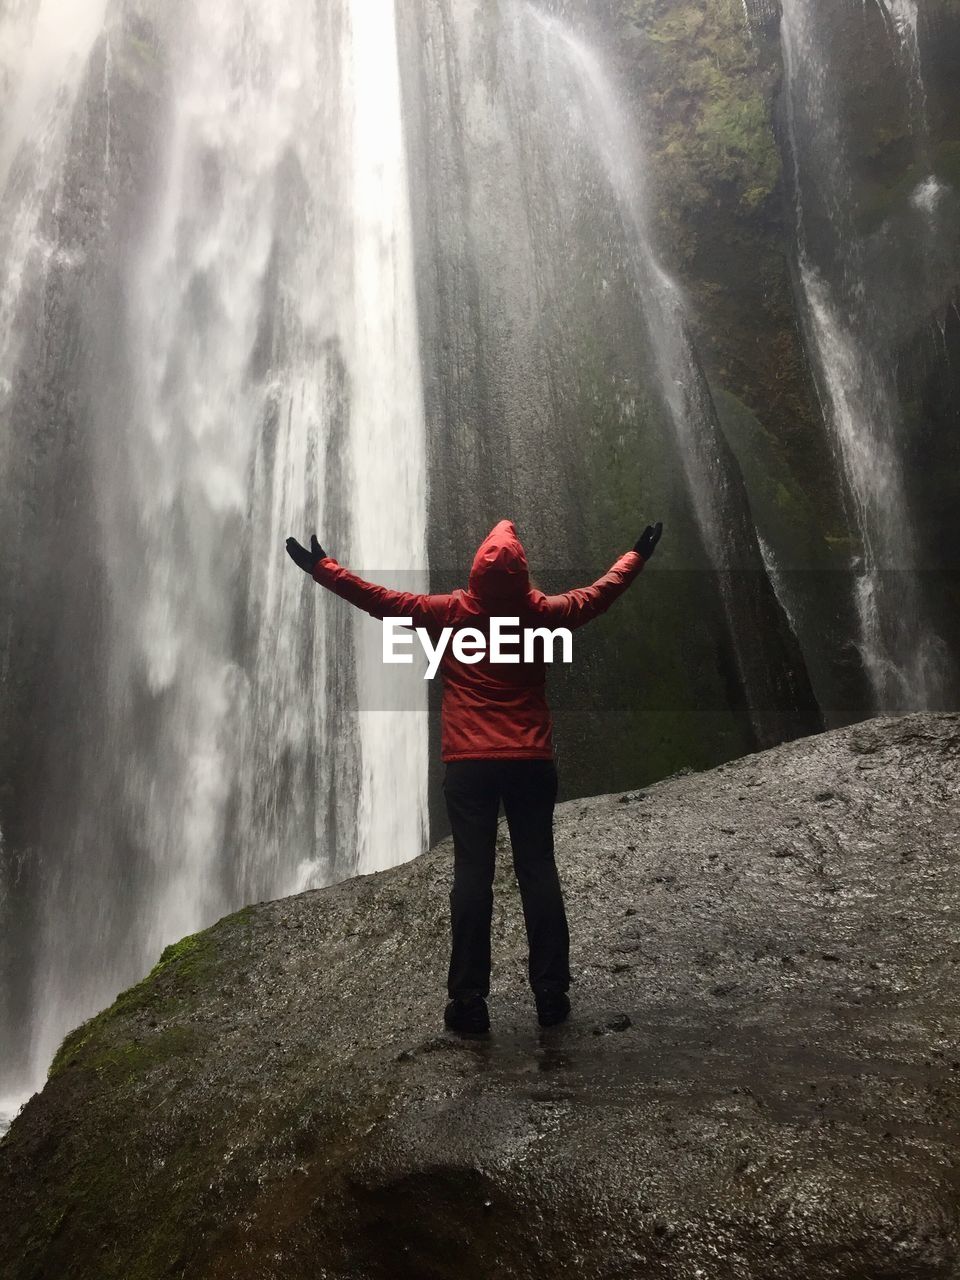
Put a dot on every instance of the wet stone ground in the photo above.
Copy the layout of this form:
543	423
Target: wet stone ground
761	1077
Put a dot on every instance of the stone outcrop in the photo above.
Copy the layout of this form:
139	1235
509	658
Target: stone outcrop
761	1077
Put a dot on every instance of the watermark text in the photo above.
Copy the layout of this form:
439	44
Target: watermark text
508	642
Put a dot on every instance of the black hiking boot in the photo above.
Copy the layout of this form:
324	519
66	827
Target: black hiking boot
552	1007
467	1015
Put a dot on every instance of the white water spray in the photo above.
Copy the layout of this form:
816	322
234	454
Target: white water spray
903	657
270	386
727	533
903	17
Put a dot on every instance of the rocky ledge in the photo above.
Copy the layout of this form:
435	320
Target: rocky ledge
761	1078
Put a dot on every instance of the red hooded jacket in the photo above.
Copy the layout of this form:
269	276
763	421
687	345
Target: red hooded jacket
489	709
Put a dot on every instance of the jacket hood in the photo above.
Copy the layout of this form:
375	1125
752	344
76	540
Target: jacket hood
499	574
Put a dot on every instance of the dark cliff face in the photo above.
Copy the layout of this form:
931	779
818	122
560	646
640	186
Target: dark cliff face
760	1077
544	398
711	80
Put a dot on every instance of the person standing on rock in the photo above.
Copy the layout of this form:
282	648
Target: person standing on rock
496	740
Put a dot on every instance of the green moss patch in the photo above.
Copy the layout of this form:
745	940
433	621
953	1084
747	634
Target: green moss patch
710	90
182	973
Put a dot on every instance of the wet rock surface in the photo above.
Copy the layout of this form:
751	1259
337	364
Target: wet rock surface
761	1077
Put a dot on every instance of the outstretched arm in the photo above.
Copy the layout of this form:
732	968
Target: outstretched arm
583	604
380	602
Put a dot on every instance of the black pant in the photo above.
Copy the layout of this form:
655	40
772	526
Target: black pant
473	790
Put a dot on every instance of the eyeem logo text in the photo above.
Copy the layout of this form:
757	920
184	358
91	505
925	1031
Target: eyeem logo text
508	643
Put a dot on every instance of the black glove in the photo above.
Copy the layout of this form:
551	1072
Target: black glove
303	558
646	544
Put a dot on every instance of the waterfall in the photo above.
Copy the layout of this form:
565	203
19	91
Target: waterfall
775	575
904	19
718	497
246	366
42	59
846	279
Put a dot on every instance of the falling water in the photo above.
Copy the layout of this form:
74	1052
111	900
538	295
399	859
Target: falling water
780	589
719	503
42	60
263	379
43	55
843	313
904	18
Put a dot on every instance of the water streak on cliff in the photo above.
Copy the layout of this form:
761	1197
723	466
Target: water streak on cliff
845	279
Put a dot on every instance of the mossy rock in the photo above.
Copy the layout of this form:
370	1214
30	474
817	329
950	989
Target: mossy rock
706	85
324	1127
170	986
